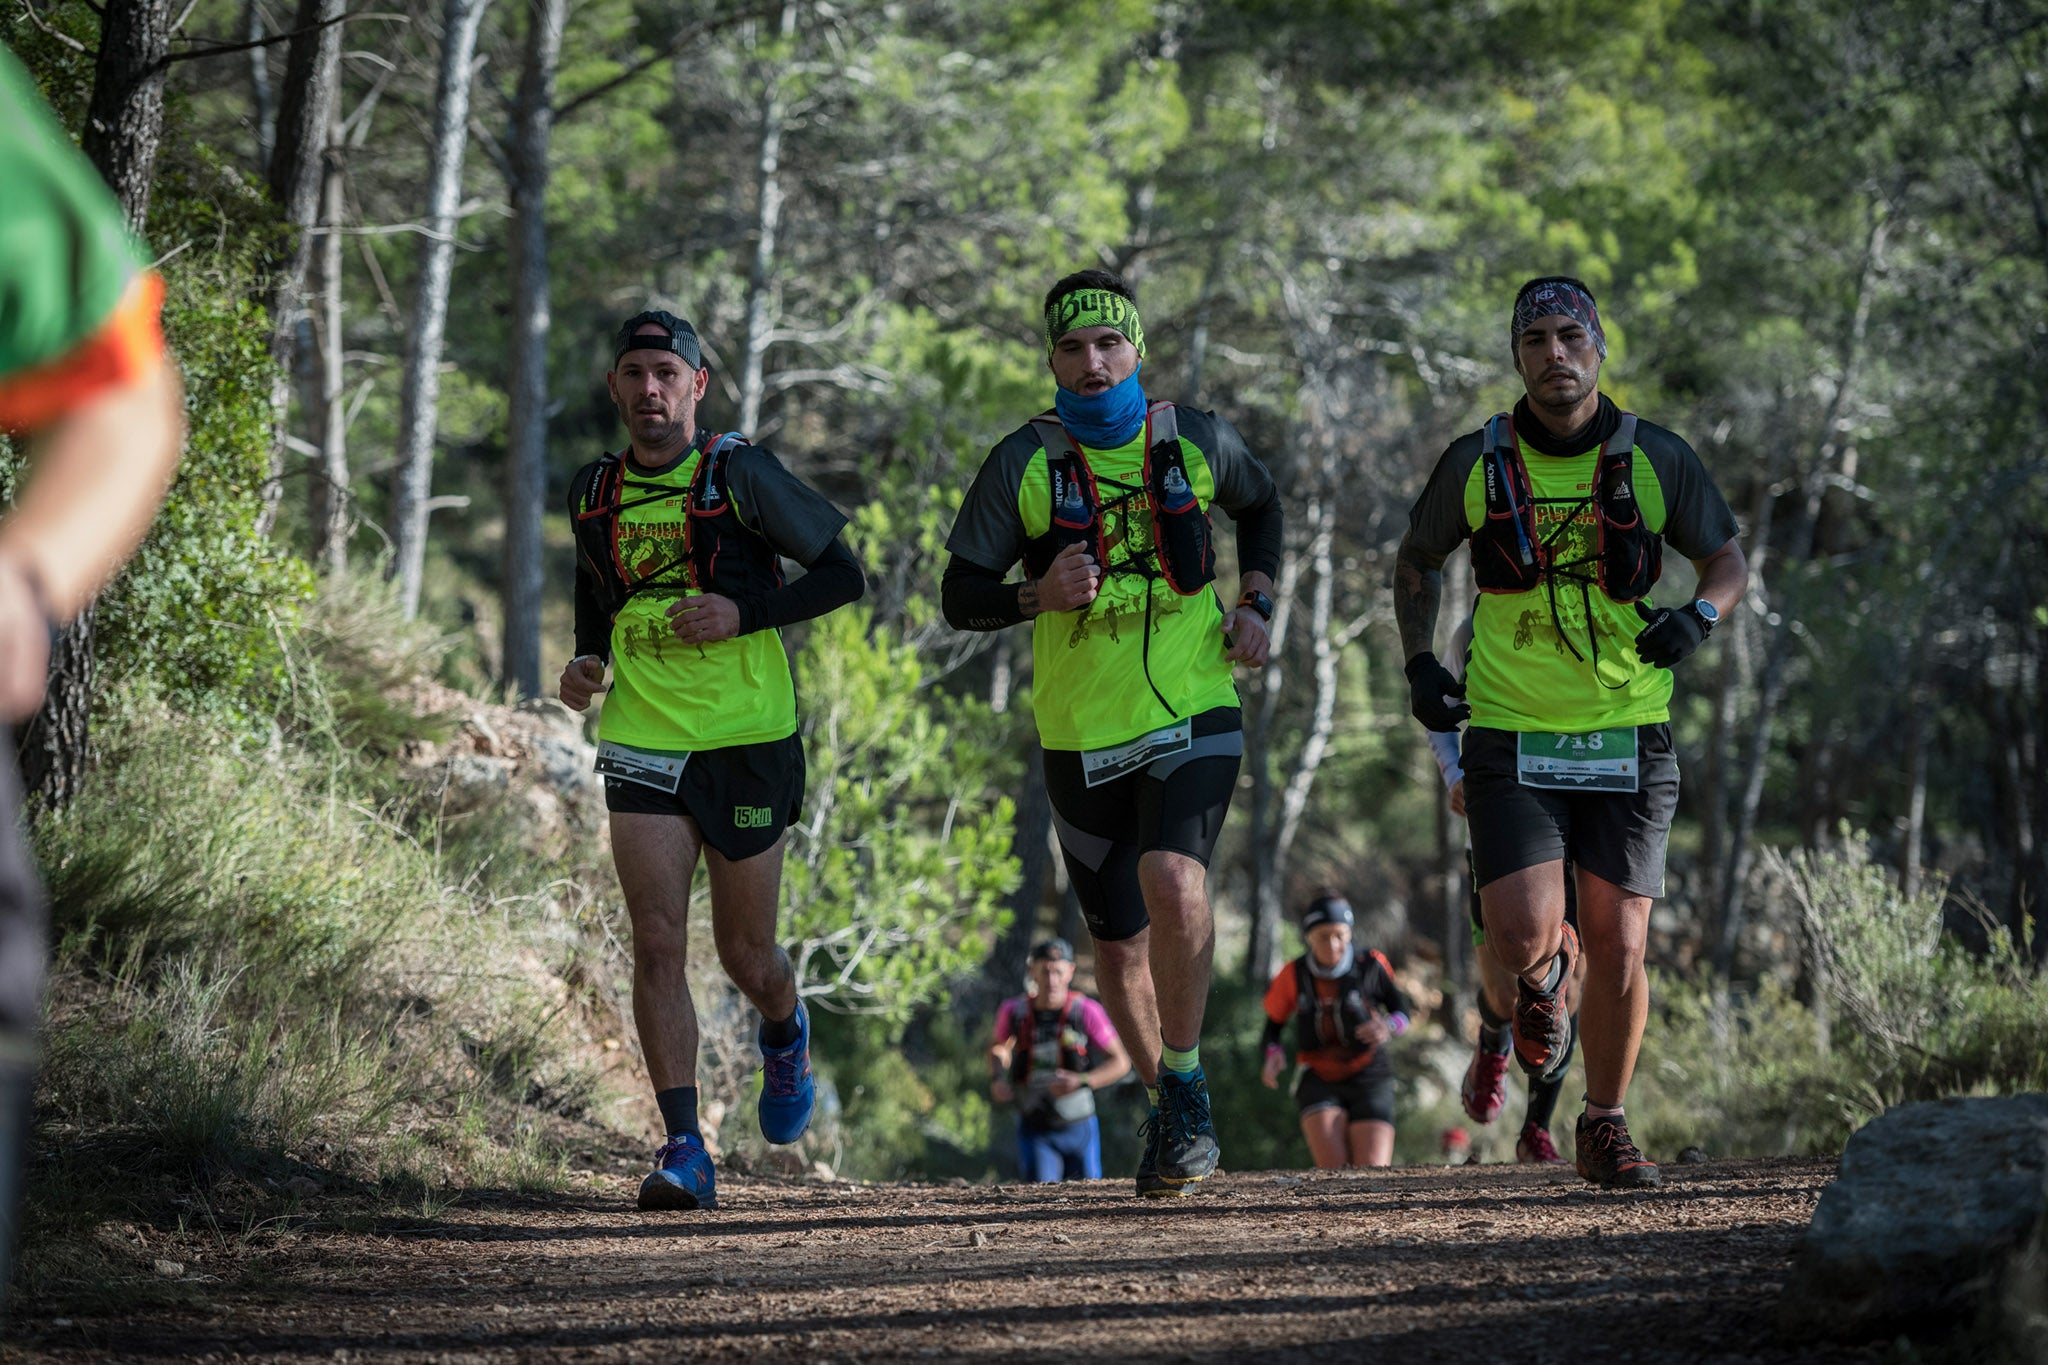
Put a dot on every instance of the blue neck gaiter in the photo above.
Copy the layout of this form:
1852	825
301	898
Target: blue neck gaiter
1103	420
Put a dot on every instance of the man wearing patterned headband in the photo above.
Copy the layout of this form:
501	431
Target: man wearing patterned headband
1568	502
680	540
1105	499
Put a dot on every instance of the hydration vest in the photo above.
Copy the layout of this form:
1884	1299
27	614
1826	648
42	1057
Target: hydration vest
1343	1014
1074	1054
1182	551
719	553
1508	553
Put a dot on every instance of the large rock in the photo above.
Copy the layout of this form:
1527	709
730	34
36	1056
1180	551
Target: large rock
1936	1222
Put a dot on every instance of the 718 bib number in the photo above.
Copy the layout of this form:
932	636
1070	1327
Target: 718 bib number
1599	760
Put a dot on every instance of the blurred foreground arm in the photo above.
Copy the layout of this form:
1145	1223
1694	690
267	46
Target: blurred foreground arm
97	473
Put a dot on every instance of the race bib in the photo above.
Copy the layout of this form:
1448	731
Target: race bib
1106	765
1598	761
663	772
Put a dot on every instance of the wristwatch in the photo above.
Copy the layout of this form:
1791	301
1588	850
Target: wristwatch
1259	603
1704	612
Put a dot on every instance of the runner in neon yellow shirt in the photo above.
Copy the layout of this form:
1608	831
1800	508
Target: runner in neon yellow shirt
680	540
1106	501
1568	503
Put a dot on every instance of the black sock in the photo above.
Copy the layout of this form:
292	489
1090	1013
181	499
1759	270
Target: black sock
678	1109
778	1032
1543	1100
1495	1035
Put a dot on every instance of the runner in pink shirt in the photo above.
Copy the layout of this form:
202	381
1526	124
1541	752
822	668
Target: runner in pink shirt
1053	1049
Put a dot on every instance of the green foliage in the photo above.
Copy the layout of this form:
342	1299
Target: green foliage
1905	1014
259	971
196	616
898	871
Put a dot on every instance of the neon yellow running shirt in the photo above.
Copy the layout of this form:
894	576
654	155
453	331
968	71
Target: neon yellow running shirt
1524	674
671	696
1090	685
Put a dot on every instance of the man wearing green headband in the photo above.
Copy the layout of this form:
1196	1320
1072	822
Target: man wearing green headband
1105	499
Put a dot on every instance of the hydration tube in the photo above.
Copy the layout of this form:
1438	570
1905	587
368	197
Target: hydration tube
1507	483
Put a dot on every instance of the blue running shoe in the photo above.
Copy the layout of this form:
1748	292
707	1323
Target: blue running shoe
787	1091
682	1177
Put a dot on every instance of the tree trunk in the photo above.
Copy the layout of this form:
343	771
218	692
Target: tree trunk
123	127
1778	646
421	394
1711	901
125	121
1266	892
305	121
1914	835
1322	520
262	99
526	447
767	221
327	491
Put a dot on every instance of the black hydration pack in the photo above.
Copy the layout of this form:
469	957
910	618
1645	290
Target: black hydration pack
719	554
1508	553
1183	554
1074	1057
1315	1018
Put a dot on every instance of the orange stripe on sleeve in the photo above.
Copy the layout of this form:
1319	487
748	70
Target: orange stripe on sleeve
127	347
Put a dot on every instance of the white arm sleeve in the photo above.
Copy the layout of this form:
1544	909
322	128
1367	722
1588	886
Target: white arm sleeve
1445	747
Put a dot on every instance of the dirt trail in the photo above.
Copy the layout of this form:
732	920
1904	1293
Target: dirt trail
1410	1265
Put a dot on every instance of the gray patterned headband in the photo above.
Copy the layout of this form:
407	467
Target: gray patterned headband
1550	298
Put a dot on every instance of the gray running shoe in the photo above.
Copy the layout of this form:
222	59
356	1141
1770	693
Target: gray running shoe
1187	1136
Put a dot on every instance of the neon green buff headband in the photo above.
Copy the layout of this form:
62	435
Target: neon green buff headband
1093	308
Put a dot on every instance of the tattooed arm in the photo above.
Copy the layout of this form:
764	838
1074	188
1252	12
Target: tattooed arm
1436	526
1418	593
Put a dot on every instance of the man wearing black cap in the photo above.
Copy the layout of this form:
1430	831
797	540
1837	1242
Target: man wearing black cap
679	587
1345	1006
1568	502
1053	1049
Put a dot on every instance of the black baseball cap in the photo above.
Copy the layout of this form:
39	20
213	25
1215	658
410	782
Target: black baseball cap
1327	909
681	338
1056	949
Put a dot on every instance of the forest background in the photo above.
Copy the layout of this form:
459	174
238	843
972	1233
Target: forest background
398	237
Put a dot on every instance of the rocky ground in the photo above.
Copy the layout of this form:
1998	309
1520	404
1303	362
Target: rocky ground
1467	1264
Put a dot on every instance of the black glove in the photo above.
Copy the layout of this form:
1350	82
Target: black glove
1429	683
1669	636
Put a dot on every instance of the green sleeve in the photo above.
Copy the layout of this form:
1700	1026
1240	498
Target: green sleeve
66	256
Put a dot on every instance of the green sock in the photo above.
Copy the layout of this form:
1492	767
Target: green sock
1181	1063
1152	1093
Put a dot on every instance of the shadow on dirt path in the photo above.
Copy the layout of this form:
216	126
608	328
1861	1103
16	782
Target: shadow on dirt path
1411	1265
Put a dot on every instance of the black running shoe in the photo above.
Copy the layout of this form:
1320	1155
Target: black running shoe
1608	1158
1150	1186
1543	1023
1187	1137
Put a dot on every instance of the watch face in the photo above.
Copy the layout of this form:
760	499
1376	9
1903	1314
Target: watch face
1706	611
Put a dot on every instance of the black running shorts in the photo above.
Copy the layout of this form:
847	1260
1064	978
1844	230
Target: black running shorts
1367	1097
1175	804
741	797
1617	836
